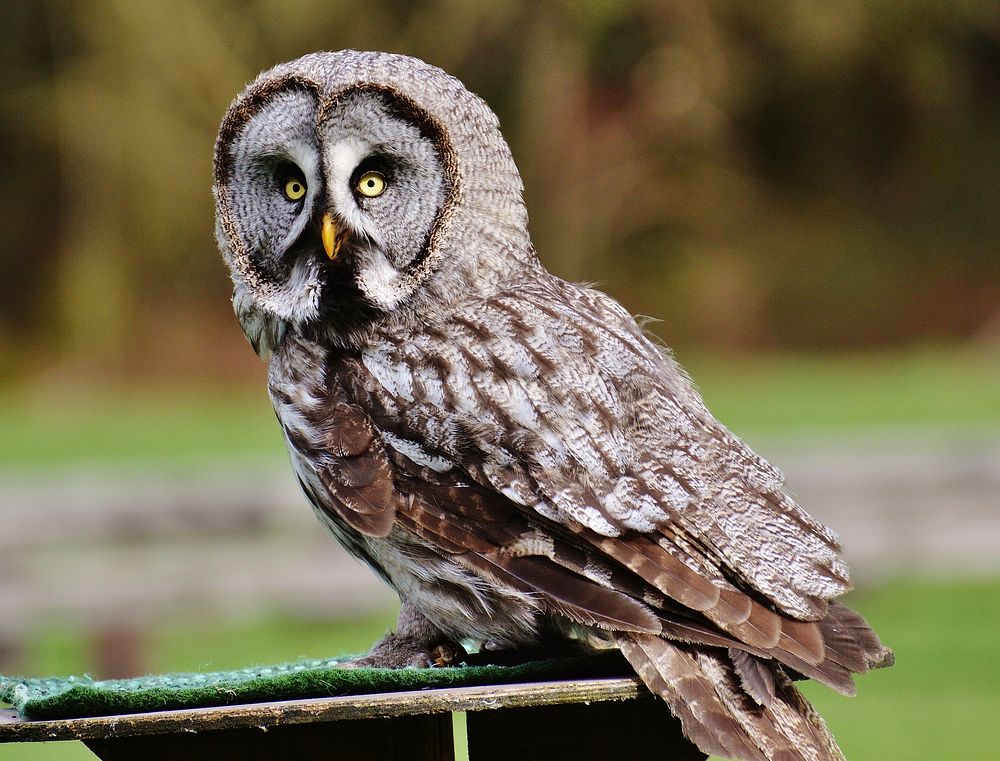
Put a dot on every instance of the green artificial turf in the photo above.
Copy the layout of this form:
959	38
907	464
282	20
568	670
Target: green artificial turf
78	696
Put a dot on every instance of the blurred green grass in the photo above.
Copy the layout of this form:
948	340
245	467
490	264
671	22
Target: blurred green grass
945	390
940	700
152	427
933	389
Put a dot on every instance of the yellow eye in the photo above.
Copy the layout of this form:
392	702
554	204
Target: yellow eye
294	189
371	184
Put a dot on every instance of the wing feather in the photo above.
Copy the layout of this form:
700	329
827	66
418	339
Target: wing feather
614	588
553	398
558	589
351	477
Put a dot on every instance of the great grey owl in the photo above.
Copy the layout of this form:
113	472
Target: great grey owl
507	450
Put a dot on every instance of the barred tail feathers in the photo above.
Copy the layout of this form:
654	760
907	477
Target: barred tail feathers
703	690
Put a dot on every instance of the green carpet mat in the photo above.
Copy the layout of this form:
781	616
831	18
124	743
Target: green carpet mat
76	696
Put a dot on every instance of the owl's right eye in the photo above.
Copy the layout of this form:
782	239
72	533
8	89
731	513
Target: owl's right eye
290	180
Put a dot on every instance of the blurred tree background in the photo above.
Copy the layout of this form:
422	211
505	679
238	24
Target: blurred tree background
779	175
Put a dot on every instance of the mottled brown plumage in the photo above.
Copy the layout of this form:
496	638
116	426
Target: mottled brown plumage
510	451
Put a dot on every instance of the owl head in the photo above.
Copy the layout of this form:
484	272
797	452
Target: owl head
353	188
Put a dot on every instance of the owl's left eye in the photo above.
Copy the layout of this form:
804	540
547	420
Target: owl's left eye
294	189
371	184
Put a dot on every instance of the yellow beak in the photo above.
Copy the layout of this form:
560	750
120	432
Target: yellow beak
331	241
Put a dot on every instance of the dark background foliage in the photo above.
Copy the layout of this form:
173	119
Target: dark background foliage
768	175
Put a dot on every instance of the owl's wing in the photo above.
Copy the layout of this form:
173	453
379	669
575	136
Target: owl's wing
552	396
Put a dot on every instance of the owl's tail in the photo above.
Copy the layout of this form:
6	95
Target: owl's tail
702	688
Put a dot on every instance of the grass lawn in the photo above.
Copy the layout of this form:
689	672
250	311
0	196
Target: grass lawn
939	702
955	390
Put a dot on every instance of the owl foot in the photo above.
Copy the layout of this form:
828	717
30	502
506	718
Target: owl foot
395	652
447	654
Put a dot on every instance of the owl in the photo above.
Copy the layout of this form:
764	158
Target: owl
509	451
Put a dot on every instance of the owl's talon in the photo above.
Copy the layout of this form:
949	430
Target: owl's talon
396	652
447	654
